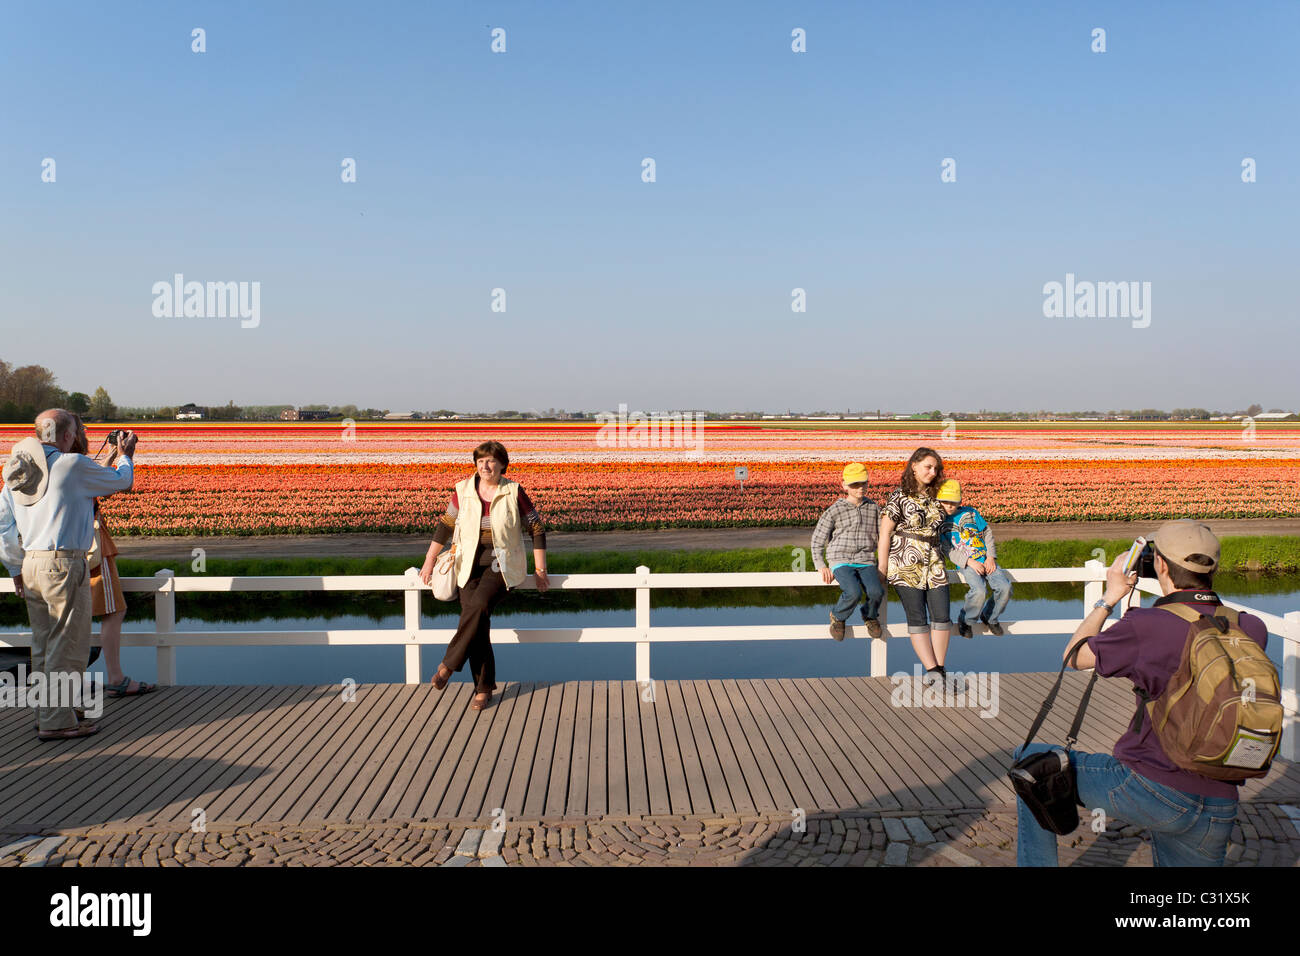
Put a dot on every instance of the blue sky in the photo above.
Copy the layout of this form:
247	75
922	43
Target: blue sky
775	170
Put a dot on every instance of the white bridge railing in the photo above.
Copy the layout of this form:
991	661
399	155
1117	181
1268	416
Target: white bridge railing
165	585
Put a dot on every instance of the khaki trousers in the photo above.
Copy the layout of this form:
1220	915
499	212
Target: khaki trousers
57	584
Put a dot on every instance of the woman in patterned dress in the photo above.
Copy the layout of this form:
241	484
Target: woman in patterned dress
909	557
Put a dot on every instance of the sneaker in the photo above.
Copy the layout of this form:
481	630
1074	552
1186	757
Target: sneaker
874	628
993	626
932	677
956	681
964	629
837	628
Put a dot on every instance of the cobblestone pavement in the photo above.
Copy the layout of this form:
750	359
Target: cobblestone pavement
1265	835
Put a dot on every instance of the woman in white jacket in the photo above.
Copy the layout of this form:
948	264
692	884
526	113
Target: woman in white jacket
486	519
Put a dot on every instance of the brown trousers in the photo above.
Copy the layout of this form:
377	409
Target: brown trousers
480	595
57	586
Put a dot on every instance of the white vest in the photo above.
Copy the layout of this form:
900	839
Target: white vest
507	531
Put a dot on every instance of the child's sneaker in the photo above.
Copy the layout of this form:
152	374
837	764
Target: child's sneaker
837	627
874	628
993	626
964	629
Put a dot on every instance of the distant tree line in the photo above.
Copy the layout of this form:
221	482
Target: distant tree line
27	390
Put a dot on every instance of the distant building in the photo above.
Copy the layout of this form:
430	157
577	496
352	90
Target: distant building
400	416
1265	416
190	412
289	415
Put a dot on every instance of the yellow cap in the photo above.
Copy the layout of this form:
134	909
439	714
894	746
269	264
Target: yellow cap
854	471
950	491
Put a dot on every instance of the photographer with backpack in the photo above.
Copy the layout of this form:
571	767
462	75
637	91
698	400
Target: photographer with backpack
1208	715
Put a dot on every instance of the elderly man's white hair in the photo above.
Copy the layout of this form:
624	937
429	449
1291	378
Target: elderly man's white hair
53	423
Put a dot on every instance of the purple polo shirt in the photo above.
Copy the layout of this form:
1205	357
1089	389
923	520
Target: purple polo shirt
1145	645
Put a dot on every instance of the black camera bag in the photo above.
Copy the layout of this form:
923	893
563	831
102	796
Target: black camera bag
1045	781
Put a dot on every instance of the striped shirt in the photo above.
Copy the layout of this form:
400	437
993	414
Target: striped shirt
532	521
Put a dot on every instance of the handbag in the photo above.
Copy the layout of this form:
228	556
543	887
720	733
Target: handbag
443	579
95	556
1045	781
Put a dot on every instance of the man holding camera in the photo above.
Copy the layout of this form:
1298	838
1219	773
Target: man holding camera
1190	815
48	499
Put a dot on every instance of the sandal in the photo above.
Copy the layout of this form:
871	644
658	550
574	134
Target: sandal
478	704
83	729
122	689
438	680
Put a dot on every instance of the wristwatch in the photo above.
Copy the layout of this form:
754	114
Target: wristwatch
1102	603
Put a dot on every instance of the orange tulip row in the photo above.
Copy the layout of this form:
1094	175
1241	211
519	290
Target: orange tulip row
281	499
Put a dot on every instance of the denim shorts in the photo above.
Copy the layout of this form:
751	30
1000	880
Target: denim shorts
917	601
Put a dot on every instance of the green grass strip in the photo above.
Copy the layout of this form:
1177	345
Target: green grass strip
1276	554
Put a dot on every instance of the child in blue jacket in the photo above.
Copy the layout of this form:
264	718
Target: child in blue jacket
968	542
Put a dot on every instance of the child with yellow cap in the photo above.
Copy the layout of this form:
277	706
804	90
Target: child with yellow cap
968	542
848	532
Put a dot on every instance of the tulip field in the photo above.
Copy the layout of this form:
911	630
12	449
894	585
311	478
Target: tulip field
324	478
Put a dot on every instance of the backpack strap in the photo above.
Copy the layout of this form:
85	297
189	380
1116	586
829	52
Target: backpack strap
1073	735
1183	611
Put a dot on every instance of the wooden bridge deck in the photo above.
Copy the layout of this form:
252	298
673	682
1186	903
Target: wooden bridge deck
297	754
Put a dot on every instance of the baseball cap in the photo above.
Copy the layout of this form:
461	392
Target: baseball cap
855	471
1188	544
950	491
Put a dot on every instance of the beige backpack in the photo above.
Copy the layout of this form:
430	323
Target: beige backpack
1221	713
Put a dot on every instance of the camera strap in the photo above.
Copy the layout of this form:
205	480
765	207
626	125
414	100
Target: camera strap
1043	711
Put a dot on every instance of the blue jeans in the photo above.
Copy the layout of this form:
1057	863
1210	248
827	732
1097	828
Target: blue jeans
854	582
1186	829
978	602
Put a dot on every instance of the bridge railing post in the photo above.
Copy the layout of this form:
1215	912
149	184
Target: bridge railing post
413	586
643	625
164	617
1290	749
1093	590
880	645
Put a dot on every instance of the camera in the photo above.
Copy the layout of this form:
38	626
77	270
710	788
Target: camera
1141	558
115	436
1146	561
